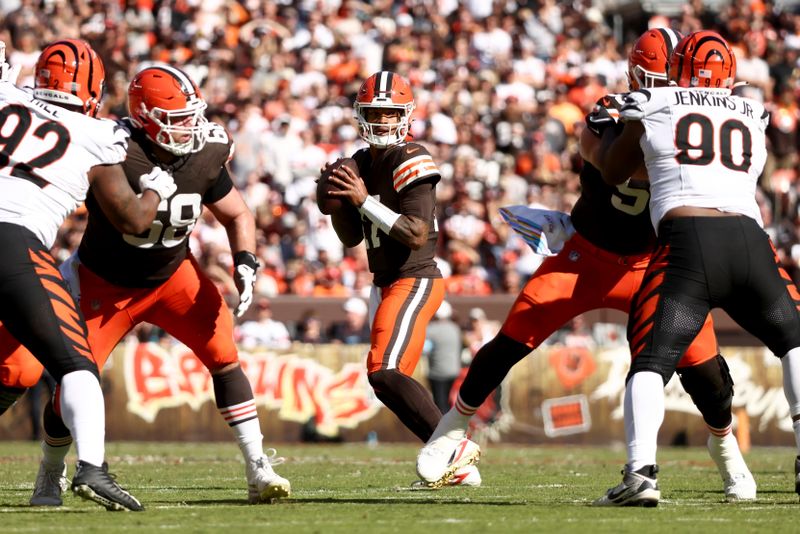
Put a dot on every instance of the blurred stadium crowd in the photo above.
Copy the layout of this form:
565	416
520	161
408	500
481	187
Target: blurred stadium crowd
501	90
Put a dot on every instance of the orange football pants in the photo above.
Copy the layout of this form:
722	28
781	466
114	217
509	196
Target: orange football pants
580	278
188	306
402	311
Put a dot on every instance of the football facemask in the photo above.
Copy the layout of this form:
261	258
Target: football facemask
384	90
167	105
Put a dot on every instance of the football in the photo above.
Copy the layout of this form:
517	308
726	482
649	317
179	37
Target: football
327	203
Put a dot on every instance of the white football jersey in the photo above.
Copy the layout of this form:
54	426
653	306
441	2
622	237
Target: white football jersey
703	148
45	156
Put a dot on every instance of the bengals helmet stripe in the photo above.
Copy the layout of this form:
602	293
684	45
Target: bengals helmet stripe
69	72
703	59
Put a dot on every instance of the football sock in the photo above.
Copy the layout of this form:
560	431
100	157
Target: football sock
724	450
57	438
644	413
410	401
236	404
455	422
83	412
489	367
791	388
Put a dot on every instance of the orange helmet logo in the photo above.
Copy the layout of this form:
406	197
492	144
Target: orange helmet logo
70	73
703	59
649	57
385	90
167	104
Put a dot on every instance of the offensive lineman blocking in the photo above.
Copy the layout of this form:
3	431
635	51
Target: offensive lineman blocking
602	265
124	278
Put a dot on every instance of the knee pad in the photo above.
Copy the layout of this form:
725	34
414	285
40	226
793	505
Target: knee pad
9	396
711	388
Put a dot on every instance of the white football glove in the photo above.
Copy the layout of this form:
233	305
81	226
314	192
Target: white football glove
7	72
160	181
245	269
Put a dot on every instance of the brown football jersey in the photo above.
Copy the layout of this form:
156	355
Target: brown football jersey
148	259
393	178
614	218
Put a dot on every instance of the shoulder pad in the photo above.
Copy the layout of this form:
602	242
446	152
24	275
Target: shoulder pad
413	163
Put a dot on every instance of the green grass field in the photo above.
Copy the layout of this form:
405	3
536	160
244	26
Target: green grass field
351	488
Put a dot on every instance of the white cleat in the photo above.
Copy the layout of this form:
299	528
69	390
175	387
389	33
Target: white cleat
264	485
466	476
740	487
439	459
50	485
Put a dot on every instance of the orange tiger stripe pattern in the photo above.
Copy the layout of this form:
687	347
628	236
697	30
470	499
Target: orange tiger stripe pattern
647	301
62	303
703	59
790	286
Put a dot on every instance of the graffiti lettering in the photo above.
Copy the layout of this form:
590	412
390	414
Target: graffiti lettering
299	388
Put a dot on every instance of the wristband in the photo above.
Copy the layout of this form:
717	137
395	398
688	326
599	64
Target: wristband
245	257
379	214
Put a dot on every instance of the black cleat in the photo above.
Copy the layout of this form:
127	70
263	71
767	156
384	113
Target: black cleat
96	484
638	488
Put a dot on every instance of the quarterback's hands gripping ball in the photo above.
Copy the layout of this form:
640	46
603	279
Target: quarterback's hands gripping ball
327	201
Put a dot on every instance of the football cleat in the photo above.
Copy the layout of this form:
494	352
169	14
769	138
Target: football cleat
638	488
740	487
466	476
94	483
264	485
443	456
50	485
739	482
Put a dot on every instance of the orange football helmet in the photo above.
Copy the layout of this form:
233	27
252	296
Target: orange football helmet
167	104
647	62
703	59
70	73
384	89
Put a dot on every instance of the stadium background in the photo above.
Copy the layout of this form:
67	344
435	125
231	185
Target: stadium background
501	89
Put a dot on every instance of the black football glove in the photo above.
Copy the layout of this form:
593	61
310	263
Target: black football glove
599	119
